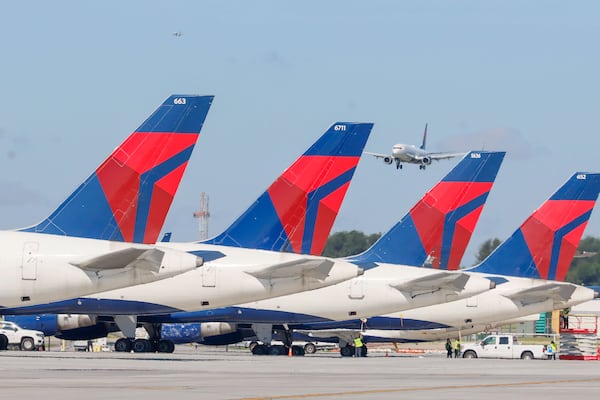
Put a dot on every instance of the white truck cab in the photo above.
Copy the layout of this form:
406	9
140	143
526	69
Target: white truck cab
25	339
502	346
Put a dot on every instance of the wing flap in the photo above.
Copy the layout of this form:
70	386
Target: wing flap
454	281
146	259
303	267
557	291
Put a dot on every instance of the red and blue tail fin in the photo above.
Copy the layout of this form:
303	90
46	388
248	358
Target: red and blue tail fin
128	196
544	246
298	210
438	228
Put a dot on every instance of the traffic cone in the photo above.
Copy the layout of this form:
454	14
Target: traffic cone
290	351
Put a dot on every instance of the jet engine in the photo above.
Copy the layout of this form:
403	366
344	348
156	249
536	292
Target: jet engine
426	160
388	160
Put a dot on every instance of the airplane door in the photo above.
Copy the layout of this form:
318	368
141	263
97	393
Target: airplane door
209	276
29	263
356	289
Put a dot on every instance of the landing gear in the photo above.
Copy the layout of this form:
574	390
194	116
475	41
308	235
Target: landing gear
348	351
276	350
124	345
422	166
398	164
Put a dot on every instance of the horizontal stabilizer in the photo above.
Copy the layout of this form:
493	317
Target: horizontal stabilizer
454	281
555	291
314	268
146	259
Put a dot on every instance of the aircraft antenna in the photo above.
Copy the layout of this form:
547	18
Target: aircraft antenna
203	214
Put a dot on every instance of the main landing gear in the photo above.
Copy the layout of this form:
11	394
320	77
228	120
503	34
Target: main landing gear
348	351
275	350
127	345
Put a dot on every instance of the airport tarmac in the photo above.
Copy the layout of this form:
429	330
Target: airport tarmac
217	374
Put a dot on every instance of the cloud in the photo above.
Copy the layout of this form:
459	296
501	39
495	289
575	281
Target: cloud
499	139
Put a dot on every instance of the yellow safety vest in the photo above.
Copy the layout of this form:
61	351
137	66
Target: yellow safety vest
358	342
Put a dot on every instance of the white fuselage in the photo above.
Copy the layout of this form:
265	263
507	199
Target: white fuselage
479	312
39	268
228	280
408	153
370	294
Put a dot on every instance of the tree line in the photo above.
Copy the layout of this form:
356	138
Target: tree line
584	270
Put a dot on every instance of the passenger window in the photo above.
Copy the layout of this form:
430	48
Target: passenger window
504	340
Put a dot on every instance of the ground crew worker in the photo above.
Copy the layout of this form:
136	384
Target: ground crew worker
553	347
456	348
358	346
448	348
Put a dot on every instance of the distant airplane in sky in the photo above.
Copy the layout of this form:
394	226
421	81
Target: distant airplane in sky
177	34
410	153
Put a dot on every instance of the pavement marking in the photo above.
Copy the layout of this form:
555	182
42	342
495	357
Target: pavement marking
418	389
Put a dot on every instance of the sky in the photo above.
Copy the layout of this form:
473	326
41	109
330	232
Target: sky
518	76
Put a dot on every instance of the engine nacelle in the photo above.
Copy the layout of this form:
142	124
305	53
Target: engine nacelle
216	328
388	160
67	322
426	160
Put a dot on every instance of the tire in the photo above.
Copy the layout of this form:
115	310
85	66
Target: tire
165	346
27	344
260	350
3	342
278	350
310	348
298	351
347	351
469	354
527	355
123	345
142	346
252	345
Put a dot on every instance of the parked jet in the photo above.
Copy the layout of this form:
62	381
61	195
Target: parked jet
529	269
79	248
444	218
410	153
295	213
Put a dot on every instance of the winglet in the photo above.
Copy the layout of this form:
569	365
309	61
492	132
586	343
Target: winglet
544	245
439	226
297	211
128	196
424	138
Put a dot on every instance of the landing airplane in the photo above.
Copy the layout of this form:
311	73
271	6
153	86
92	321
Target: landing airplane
79	249
251	260
444	219
409	153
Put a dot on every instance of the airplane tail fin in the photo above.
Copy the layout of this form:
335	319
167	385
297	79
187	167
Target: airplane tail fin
128	196
297	212
424	138
437	229
544	245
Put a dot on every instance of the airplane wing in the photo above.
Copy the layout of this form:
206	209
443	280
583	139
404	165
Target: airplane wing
147	259
444	156
454	281
315	268
553	290
379	155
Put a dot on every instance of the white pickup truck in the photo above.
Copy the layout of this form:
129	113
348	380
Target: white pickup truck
502	346
26	339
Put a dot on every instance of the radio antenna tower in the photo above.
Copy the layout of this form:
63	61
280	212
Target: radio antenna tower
202	214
